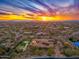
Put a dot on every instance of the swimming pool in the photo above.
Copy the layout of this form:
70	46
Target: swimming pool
76	44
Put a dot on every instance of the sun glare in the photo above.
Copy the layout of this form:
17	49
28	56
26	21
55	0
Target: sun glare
49	18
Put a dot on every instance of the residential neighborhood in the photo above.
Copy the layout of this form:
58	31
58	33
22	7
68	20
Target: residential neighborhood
28	39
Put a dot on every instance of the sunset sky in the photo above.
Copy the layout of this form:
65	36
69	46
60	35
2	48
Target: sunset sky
39	10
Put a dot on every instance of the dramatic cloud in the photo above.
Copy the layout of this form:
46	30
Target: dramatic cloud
39	10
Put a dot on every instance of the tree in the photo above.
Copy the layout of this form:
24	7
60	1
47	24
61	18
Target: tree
66	45
2	51
50	51
69	52
72	39
61	27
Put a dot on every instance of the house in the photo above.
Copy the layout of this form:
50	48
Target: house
42	43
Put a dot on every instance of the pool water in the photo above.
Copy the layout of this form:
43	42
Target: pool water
76	44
